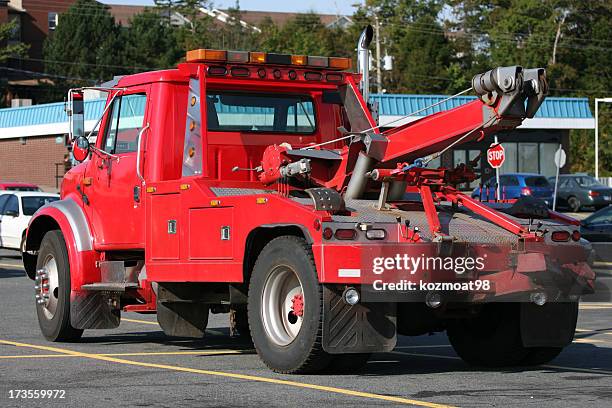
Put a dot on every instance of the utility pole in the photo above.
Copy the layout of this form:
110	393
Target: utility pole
597	101
378	70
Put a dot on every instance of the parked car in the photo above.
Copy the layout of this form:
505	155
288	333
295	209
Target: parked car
598	226
516	185
16	209
17	186
580	190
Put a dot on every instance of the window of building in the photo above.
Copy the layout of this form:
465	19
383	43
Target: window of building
52	19
528	158
547	162
237	112
126	120
15	33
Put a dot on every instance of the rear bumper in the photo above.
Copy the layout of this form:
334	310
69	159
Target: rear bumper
469	272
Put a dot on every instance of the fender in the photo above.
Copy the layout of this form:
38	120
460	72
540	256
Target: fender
67	216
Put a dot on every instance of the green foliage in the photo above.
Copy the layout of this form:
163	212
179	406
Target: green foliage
150	42
11	50
305	35
86	44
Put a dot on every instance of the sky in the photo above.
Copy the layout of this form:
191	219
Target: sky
321	6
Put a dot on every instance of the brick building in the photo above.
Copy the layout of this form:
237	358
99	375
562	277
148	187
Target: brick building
35	21
32	139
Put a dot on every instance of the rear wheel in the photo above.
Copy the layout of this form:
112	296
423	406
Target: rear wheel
285	308
574	204
541	355
53	289
492	339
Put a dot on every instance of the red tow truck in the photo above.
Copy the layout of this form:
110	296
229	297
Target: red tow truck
261	185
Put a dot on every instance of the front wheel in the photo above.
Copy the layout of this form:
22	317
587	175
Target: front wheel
285	308
52	289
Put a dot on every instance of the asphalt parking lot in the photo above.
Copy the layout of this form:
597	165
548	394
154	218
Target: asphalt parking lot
136	365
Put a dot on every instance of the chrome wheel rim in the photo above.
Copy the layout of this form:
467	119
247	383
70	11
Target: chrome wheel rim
282	306
47	287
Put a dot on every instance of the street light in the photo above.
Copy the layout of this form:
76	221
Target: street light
597	100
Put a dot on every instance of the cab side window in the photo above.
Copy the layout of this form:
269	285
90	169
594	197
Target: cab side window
126	120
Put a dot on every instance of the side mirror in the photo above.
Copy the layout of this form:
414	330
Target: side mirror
80	148
76	115
11	213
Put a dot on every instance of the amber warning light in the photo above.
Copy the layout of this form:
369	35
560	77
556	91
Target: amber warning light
245	57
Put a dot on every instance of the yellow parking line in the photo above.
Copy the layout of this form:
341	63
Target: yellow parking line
424	346
588	341
594	307
213	331
123	319
297	384
4	265
153	353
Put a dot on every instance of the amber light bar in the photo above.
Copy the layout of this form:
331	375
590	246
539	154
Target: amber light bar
245	57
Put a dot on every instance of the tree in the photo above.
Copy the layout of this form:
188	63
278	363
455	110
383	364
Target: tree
412	33
151	42
10	50
86	44
568	37
303	34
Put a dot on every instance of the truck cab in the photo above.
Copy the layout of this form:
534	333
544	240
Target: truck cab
261	185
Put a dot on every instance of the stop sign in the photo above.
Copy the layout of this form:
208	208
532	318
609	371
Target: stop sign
496	155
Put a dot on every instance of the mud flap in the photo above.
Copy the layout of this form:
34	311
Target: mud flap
362	328
92	310
182	319
551	325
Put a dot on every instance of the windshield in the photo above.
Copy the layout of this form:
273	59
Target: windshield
264	113
33	203
587	181
537	182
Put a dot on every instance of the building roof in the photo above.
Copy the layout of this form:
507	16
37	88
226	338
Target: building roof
555	113
123	14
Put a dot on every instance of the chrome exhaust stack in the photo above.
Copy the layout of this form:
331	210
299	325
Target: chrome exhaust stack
358	181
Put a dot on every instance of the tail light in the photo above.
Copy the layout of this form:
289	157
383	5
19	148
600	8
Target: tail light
576	235
593	194
560	236
525	191
345	234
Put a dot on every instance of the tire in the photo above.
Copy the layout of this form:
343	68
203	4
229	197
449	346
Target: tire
541	355
286	342
54	313
574	204
22	245
492	339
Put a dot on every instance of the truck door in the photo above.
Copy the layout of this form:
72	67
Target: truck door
114	194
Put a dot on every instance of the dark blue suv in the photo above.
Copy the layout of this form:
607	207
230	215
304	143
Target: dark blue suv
515	185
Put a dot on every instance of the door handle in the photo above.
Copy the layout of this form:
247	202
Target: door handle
140	136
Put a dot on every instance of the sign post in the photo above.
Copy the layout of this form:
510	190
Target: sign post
496	154
560	158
